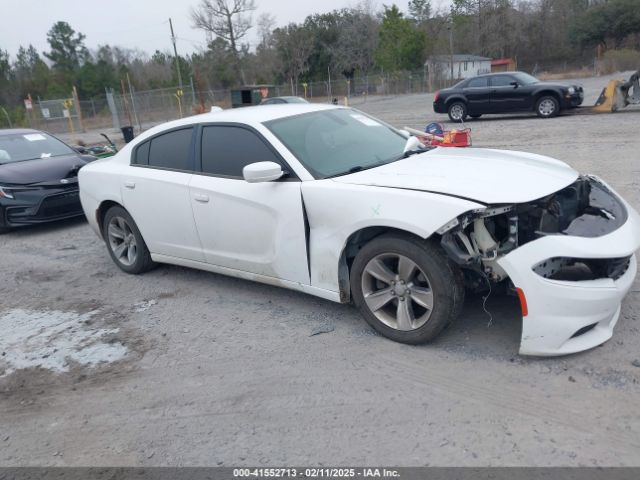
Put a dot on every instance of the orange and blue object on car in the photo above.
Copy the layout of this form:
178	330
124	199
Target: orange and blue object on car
438	136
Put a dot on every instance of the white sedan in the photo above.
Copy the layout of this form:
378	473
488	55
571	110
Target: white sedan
332	202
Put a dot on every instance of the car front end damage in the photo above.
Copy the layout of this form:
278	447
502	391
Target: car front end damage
569	256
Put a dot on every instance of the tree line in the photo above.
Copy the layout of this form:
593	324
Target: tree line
359	40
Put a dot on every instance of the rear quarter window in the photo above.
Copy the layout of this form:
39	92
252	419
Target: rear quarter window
141	154
171	150
477	83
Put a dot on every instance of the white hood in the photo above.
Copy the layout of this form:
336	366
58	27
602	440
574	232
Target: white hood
488	176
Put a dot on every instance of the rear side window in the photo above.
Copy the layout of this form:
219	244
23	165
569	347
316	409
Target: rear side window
171	150
477	82
226	150
141	156
502	81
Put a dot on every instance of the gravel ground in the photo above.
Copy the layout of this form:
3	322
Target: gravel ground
182	367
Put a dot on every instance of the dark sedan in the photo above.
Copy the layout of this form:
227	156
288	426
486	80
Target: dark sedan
506	93
38	178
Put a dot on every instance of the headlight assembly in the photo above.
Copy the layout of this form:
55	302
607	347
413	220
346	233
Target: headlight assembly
5	192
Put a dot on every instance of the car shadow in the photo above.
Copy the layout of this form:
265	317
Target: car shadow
490	328
44	228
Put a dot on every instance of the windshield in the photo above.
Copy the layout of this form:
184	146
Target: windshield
336	142
18	147
525	78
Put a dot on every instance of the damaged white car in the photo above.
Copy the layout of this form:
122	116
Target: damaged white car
332	202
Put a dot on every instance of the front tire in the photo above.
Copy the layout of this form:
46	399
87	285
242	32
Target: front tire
406	288
457	112
547	107
125	243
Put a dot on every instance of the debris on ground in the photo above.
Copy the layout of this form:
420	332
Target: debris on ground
144	306
325	328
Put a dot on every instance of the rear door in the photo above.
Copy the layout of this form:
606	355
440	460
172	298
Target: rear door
478	95
253	227
155	191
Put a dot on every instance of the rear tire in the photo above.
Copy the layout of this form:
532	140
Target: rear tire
406	288
125	243
457	112
547	106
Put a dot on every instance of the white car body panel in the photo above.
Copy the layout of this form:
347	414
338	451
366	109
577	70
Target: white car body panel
102	184
152	196
472	173
557	309
252	227
337	210
257	231
301	287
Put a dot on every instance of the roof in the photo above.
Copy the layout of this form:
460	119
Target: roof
17	131
255	114
502	61
457	58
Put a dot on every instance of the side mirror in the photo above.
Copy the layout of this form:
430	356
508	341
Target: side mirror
515	84
262	172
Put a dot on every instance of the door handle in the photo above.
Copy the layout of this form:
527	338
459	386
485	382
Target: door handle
200	197
129	184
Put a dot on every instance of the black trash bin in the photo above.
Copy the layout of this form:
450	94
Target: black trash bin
127	133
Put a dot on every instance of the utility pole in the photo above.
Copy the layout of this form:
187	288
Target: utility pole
175	51
451	49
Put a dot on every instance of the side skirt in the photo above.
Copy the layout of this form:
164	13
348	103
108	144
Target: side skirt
315	291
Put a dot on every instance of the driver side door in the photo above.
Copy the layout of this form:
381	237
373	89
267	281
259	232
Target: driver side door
258	228
507	95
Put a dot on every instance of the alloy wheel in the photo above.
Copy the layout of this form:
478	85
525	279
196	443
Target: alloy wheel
122	241
547	107
397	291
457	112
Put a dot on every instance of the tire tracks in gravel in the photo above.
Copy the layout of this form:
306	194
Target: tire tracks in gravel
512	399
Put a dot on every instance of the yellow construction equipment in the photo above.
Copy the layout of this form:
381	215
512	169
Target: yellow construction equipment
618	94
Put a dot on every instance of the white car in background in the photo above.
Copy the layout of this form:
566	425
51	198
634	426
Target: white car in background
332	202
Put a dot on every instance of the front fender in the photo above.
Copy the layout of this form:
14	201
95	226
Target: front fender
336	211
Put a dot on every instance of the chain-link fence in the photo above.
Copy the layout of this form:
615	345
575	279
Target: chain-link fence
144	109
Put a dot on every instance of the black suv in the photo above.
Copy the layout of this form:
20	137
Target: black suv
506	93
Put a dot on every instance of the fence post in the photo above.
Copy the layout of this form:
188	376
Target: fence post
112	107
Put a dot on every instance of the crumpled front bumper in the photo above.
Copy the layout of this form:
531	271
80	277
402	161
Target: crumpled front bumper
558	310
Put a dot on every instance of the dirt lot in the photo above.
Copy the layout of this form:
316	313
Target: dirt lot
181	367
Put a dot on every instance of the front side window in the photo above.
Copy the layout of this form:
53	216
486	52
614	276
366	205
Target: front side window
226	150
502	81
171	150
18	147
525	78
338	141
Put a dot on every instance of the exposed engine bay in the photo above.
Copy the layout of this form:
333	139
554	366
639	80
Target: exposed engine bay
586	208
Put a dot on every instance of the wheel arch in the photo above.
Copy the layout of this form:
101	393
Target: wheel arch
547	92
455	98
102	210
352	246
